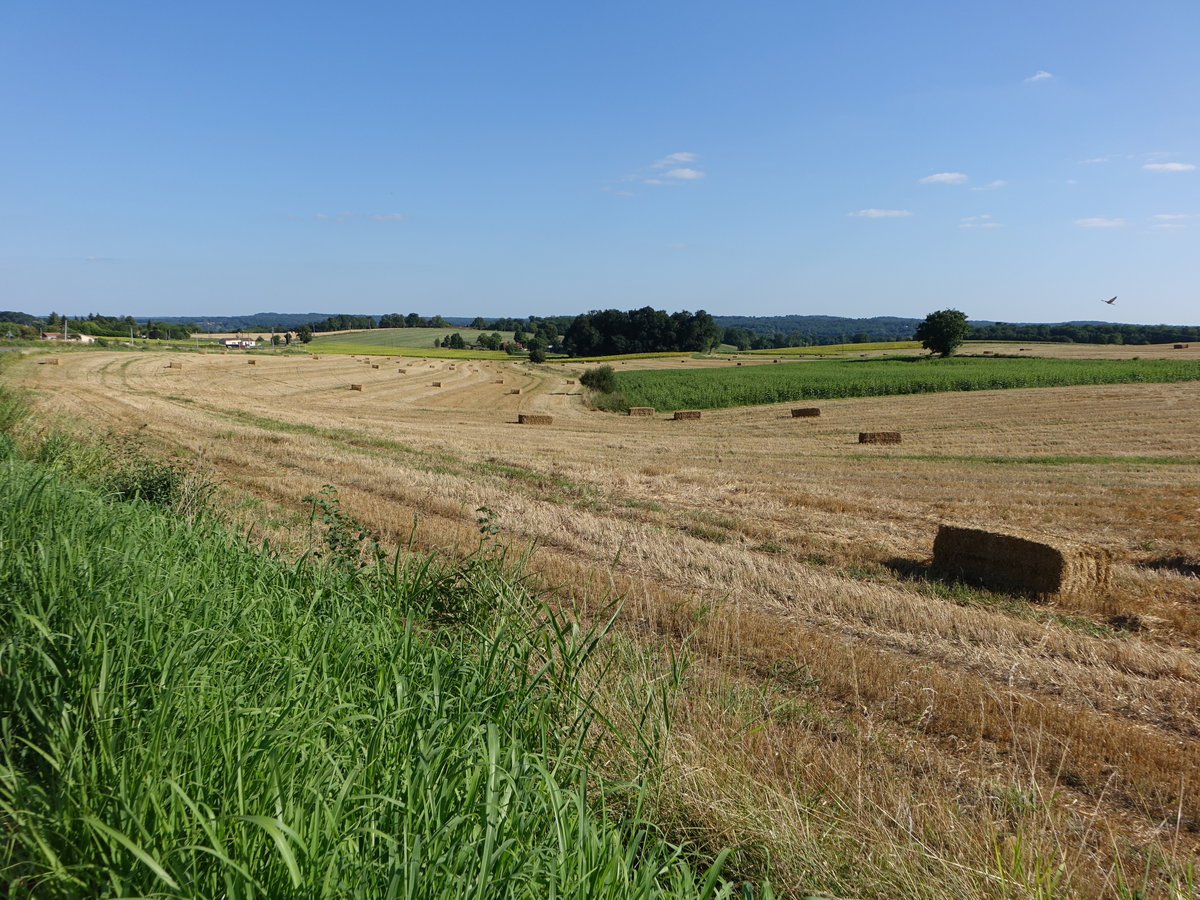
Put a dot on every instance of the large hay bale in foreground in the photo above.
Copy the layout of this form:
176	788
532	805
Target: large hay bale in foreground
641	410
687	414
534	419
806	412
1024	563
879	437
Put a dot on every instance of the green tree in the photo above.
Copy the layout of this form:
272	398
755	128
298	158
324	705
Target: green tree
943	331
537	355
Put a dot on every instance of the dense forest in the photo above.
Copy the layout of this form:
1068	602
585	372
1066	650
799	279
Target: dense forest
646	330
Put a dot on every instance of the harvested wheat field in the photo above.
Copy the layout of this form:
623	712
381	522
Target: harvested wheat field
848	719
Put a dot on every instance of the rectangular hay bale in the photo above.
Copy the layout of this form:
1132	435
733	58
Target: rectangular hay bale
374	366
515	391
641	410
806	412
1181	346
688	413
356	387
1023	563
879	437
402	371
435	384
534	419
252	362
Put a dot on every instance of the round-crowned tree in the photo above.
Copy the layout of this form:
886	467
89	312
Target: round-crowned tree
943	331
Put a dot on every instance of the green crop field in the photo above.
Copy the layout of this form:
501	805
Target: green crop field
403	342
828	379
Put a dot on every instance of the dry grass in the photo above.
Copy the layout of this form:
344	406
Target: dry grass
877	731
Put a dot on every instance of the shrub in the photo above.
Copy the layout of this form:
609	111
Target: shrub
602	379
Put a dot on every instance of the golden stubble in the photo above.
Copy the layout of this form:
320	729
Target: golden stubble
933	726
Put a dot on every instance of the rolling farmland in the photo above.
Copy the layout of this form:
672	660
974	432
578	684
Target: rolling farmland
875	731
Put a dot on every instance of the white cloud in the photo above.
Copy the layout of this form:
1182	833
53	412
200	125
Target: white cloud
975	218
685	174
1095	159
880	213
1039	75
981	221
1169	167
1099	222
991	185
653	181
1166	216
944	178
674	159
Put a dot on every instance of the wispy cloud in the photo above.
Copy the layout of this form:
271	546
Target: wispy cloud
944	178
670	169
991	185
880	213
1099	222
981	221
1173	220
673	159
1039	75
352	216
1170	225
99	259
1168	216
1169	167
1095	159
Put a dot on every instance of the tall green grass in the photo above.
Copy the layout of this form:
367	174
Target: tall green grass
182	715
828	379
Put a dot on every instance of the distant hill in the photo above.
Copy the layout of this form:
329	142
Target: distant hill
825	329
264	321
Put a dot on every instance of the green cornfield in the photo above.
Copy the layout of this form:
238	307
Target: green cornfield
829	379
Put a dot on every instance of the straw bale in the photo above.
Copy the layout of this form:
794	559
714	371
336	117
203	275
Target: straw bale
570	381
402	371
806	412
435	384
641	410
252	362
53	361
515	391
688	413
534	419
879	437
498	381
1181	346
374	366
356	387
1021	562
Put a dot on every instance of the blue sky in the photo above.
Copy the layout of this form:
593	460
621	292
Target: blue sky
1020	161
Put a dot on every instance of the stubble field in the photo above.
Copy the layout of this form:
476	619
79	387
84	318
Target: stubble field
867	730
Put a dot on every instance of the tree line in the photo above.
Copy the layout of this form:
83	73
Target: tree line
611	332
1086	333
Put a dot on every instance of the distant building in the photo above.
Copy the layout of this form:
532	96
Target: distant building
59	336
239	344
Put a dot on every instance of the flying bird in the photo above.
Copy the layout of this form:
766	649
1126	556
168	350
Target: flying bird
1109	302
